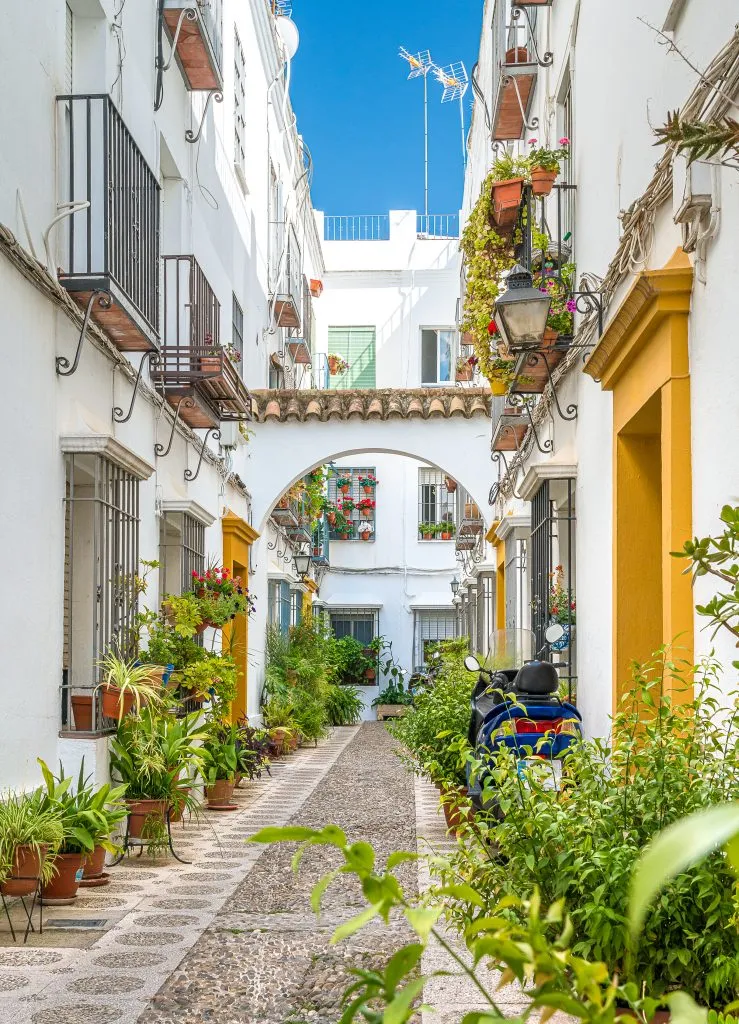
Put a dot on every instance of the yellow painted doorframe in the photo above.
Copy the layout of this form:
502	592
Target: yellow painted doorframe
238	536
642	358
492	538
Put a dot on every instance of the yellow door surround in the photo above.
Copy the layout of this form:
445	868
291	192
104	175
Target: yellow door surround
238	536
642	358
492	538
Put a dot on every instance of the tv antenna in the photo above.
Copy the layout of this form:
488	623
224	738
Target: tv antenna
456	82
420	64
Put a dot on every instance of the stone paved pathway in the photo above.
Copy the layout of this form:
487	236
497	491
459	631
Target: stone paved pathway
231	937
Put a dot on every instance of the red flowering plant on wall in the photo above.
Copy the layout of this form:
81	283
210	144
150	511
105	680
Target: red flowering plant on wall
366	506
368	481
221	595
561	601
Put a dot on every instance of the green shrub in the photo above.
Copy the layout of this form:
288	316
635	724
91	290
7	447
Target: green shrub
344	705
664	760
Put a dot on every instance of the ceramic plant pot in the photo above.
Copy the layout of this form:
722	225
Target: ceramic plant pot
220	792
67	877
113	700
82	711
142	811
542	182
27	864
94	863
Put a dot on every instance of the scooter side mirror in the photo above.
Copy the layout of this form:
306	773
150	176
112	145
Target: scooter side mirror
471	663
554	633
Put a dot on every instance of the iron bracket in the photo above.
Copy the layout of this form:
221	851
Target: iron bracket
548	59
497	457
118	416
160	64
571	413
63	367
519	402
214	94
159	449
216	435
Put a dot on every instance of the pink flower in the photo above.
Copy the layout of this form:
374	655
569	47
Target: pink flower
532	142
564	141
571	306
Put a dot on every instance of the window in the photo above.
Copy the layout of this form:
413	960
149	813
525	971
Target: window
357	503
437	355
237	327
296	607
565	121
430	627
279	605
239	109
181	551
359	623
276	227
101	562
435	503
356	345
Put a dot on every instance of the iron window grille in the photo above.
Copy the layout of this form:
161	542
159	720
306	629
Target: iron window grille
517	606
237	328
182	551
429	627
360	623
355	494
100	585
436	503
552	545
438	355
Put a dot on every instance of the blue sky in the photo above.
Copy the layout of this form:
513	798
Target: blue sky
362	120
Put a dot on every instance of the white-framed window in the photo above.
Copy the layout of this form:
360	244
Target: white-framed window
428	628
296	607
436	504
438	348
239	109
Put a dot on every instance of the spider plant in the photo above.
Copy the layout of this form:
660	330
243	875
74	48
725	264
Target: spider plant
26	821
133	681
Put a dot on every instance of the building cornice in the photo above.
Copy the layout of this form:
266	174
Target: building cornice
108	447
508	524
190	508
545	471
377	404
654	296
238	528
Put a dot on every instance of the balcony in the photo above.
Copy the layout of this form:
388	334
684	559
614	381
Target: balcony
510	430
516	68
471	525
112	245
289	294
290	514
199	46
192	364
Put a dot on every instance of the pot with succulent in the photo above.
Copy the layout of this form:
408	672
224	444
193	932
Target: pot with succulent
368	483
88	818
30	835
427	530
337	366
546	165
365	531
127	686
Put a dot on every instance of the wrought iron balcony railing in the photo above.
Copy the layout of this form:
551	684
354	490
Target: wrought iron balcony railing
192	363
195	29
515	67
111	240
289	294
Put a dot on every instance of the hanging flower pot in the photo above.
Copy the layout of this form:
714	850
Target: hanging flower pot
316	288
542	181
345	488
367	488
498	387
366	512
506	197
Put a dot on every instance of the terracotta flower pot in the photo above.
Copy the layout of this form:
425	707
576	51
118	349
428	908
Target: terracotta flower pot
367	513
27	864
94	863
316	287
365	536
343	536
65	883
506	200
344	488
369	673
446	536
220	792
542	182
427	536
451	485
82	711
517	55
465	373
141	811
113	699
549	338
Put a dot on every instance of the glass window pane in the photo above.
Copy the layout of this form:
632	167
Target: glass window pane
446	349
429	352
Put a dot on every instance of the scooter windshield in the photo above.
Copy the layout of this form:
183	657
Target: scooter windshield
508	648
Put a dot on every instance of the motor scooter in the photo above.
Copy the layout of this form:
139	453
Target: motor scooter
515	704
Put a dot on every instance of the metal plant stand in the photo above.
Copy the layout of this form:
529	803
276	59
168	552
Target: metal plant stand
137	843
35	901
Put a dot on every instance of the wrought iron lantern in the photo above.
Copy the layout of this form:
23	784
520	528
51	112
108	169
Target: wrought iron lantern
522	311
302	560
454	585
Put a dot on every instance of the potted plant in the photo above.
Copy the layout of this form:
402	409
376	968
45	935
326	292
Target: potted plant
30	834
506	180
127	685
465	367
222	596
316	287
218	767
393	701
233	354
337	366
211	362
88	818
366	507
562	606
368	483
427	530
365	531
347	531
451	484
545	165
561	318
344	483
445	529
279	717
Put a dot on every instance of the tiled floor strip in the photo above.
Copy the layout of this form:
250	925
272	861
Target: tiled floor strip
159	908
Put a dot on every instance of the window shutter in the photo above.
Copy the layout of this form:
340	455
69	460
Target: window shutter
357	346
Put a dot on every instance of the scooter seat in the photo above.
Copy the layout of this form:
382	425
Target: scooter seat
536	677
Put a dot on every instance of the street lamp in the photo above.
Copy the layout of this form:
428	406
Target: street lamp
301	561
455	586
523	311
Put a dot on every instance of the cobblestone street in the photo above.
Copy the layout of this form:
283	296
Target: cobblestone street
230	937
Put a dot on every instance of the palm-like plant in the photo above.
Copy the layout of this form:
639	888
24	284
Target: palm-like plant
133	681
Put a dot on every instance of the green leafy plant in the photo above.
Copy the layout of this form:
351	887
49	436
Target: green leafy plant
446	526
88	816
219	759
132	679
393	693
154	755
427	529
279	713
185	613
344	705
26	819
213	677
548	159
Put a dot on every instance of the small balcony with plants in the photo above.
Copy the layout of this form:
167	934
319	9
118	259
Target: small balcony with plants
194	30
194	372
110	241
